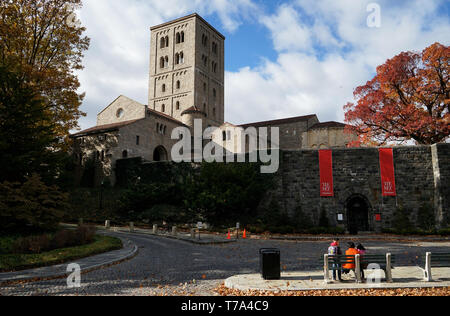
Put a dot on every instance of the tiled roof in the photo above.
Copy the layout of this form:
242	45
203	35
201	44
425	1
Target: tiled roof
104	128
280	122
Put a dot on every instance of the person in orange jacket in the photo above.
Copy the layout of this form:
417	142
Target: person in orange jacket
352	251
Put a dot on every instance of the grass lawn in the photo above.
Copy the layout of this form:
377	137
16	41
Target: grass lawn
16	262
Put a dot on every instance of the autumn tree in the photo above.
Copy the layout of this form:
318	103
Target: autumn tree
409	99
42	42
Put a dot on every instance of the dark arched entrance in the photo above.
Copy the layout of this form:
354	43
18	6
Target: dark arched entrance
160	154
358	208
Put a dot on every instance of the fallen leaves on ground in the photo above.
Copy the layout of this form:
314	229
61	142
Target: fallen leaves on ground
223	291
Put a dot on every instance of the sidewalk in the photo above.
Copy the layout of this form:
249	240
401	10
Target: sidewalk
88	264
403	277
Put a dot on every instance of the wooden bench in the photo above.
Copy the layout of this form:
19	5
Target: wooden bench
383	262
434	260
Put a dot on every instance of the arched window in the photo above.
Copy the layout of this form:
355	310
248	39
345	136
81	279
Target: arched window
214	93
167	41
178	84
178	105
163	42
204	87
182	58
163	88
224	136
124	154
178	36
161	62
166	62
163	109
182	37
177	58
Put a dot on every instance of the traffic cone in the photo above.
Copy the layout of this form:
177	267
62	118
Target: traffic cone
244	236
229	235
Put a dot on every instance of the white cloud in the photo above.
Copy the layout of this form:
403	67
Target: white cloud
325	51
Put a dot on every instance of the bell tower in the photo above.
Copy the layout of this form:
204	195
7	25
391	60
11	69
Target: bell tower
187	71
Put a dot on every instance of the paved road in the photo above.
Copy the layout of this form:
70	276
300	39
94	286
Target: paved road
168	266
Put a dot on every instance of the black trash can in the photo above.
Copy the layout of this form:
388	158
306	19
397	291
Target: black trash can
270	263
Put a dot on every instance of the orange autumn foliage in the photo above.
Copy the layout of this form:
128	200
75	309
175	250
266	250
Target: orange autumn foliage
408	99
41	41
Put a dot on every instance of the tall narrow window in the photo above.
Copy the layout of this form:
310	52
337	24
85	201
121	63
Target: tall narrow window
163	89
178	38
161	62
166	62
177	58
163	42
178	106
214	94
181	58
163	108
178	84
182	37
167	41
137	140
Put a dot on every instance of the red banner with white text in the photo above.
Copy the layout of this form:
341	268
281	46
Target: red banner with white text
326	173
387	172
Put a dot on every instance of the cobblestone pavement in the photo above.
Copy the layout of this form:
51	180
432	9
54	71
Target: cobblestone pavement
173	267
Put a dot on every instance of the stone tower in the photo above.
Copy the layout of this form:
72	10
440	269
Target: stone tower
187	71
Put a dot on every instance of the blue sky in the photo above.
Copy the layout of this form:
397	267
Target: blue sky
283	58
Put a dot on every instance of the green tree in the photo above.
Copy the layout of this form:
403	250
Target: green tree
31	206
27	131
224	193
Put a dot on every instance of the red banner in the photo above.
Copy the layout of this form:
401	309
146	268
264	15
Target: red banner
387	172
326	173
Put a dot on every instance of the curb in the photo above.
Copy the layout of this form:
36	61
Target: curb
192	241
59	275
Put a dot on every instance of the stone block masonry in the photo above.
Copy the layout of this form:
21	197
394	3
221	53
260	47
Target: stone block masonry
422	178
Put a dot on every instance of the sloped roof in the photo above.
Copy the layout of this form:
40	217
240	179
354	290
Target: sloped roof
165	116
104	128
328	125
193	109
281	121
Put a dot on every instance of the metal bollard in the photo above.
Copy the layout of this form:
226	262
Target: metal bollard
107	224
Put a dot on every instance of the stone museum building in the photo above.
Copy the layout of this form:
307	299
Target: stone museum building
187	83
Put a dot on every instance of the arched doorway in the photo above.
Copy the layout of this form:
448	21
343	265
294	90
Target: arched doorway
358	208
160	154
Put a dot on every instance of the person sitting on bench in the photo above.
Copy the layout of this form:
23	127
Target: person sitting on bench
352	251
335	250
